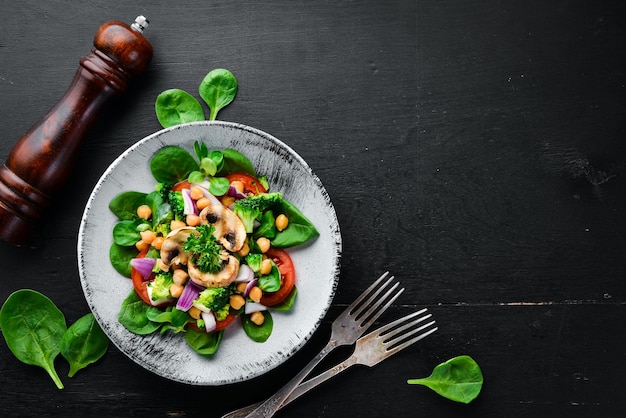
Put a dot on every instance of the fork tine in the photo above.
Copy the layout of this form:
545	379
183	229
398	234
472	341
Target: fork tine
373	313
415	339
383	330
366	292
358	309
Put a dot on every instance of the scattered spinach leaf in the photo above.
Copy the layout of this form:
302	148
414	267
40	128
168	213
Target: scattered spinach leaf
120	257
133	316
175	106
203	343
33	326
125	234
125	205
258	333
83	343
459	379
172	164
299	230
218	89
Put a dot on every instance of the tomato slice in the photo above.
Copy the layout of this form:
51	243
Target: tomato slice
181	185
251	185
288	277
139	283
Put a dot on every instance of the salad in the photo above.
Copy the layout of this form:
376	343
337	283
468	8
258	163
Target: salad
205	248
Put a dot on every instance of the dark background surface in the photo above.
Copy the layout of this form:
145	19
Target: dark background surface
473	149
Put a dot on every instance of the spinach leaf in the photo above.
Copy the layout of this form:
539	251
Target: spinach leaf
299	230
133	316
288	303
203	343
459	379
175	106
271	281
120	257
172	164
218	186
218	89
258	333
125	205
125	233
83	343
236	162
33	326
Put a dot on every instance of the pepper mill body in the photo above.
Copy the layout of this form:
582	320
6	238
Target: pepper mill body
42	159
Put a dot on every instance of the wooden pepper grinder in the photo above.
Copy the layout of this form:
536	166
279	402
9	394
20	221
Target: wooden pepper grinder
42	159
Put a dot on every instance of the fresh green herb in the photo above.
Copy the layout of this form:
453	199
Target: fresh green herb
33	326
176	106
84	343
172	164
206	251
218	89
459	379
258	333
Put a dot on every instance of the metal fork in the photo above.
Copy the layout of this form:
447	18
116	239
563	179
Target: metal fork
346	329
370	350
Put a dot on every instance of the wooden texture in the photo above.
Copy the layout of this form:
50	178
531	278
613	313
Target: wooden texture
474	149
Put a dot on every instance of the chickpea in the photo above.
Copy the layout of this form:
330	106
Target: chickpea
177	224
162	266
237	185
245	250
141	245
176	290
144	212
241	287
237	301
147	236
193	219
281	222
194	312
266	267
255	294
158	242
180	276
263	243
257	317
196	193
228	200
202	203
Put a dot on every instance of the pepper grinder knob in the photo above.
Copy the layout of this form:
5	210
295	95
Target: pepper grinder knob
42	159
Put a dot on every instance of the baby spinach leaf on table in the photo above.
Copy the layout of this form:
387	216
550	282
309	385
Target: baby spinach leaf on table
83	343
125	205
218	89
172	164
176	106
33	326
133	316
120	257
203	343
459	379
258	333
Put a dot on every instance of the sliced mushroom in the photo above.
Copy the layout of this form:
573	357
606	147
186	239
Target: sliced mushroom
222	278
172	251
229	230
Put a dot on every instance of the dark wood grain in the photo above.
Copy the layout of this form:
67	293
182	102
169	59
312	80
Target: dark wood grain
474	149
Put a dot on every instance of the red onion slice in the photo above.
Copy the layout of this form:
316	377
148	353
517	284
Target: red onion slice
144	266
191	291
209	321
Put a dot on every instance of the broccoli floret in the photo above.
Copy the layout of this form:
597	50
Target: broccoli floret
162	229
175	199
215	299
160	288
163	189
252	207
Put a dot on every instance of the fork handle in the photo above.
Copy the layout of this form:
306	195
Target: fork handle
303	388
273	404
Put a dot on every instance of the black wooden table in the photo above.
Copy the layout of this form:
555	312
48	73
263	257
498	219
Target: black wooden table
474	149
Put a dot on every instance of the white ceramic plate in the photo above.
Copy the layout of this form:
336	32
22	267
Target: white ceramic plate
238	358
